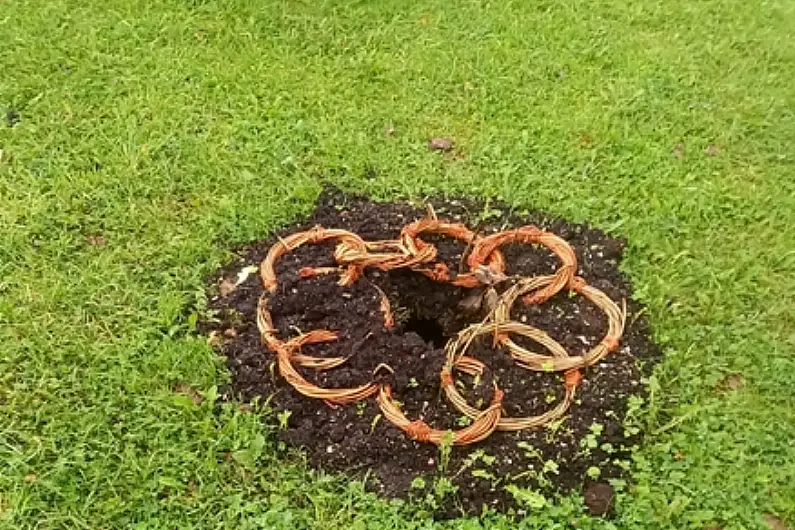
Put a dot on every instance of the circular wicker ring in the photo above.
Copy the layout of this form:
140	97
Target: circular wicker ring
546	363
440	272
455	360
314	235
286	353
268	333
483	424
531	235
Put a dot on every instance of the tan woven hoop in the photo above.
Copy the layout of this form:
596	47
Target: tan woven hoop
531	235
534	361
456	360
481	427
439	272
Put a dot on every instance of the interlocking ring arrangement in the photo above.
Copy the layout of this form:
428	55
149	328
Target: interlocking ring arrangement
353	254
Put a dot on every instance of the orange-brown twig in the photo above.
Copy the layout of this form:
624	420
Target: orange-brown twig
456	360
315	235
531	235
615	326
338	396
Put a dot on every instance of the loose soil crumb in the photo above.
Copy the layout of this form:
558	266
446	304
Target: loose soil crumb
581	452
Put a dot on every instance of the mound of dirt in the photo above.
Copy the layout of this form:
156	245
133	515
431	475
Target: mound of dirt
508	471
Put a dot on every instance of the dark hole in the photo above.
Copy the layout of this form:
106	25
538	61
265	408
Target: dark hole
12	117
429	329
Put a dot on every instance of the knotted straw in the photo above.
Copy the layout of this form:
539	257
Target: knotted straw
312	236
545	363
440	272
483	424
288	353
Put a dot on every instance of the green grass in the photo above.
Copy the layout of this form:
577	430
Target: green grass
175	129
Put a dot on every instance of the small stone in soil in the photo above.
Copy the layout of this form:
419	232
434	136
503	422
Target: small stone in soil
440	144
226	287
598	498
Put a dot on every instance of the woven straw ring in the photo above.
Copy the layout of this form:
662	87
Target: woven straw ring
288	352
455	360
531	235
341	396
290	243
314	235
545	363
440	272
483	424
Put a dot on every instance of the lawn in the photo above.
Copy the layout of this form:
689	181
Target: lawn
140	141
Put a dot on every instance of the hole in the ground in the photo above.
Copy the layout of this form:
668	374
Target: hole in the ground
428	328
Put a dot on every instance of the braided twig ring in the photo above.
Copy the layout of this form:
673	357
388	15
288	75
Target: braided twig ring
340	396
440	271
535	361
481	427
455	360
314	235
531	235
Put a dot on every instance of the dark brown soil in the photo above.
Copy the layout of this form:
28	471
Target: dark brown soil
583	452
